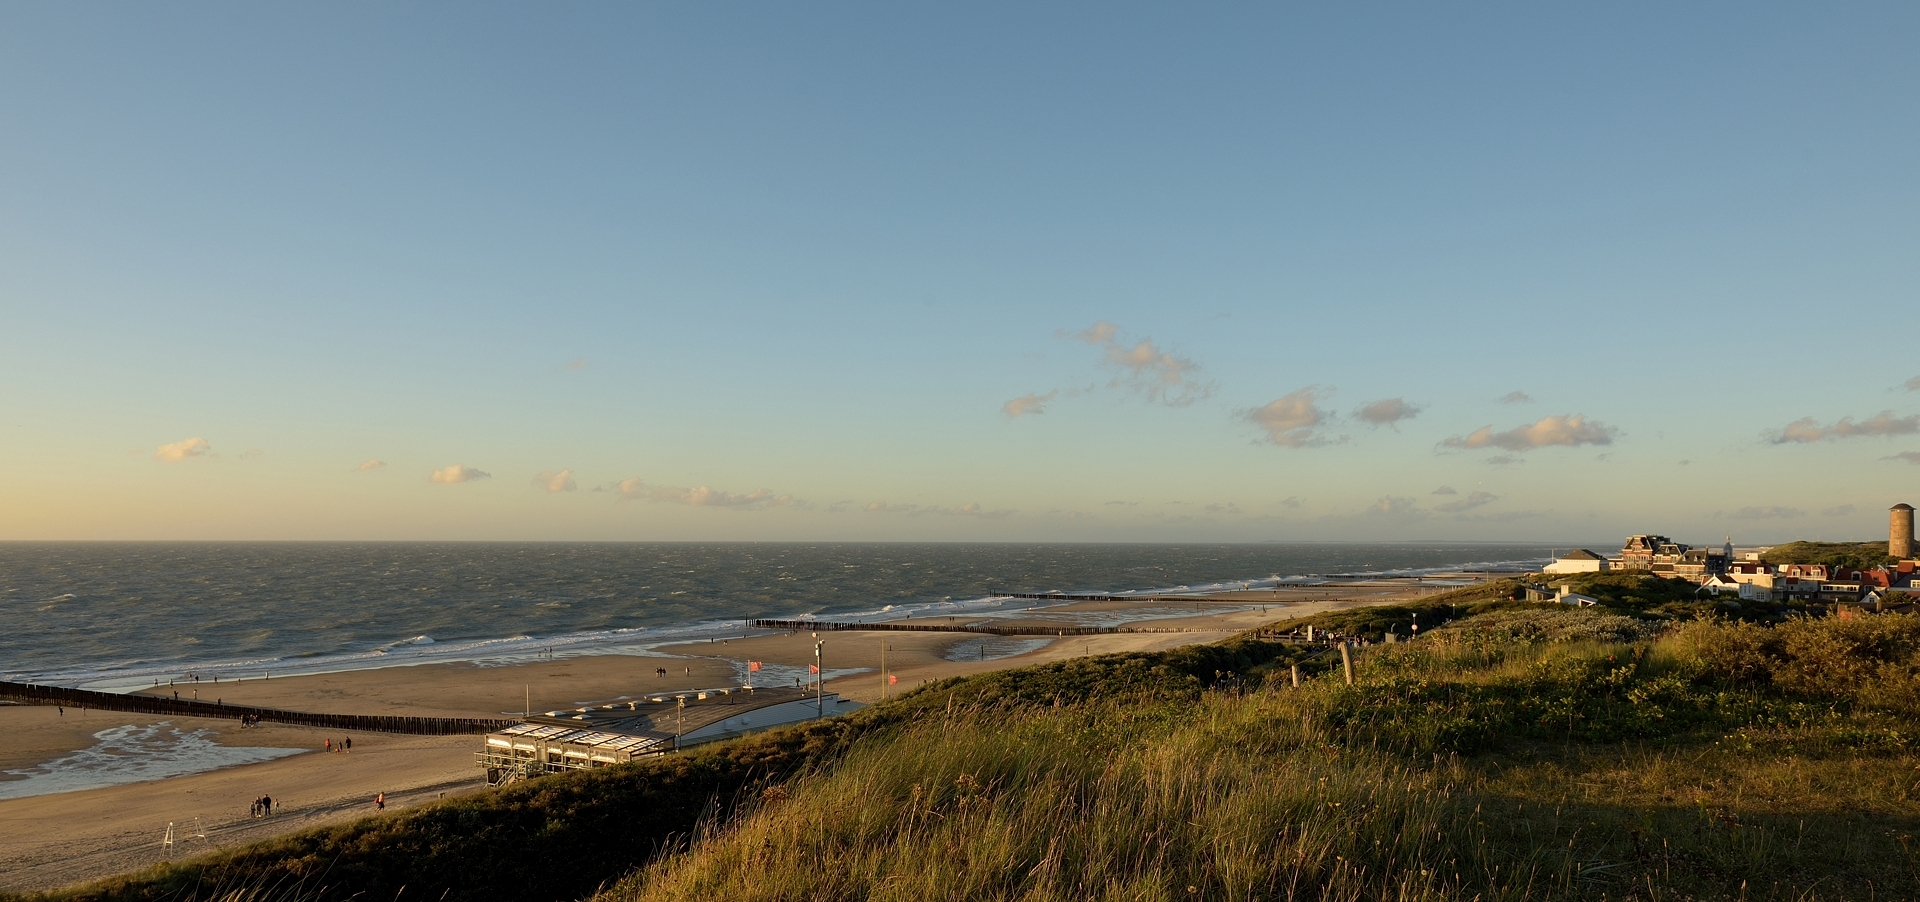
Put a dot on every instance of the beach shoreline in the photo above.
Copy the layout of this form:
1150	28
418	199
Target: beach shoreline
87	834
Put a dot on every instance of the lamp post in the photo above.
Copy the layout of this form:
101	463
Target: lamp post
819	678
679	721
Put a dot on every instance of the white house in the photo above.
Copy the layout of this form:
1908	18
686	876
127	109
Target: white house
1578	560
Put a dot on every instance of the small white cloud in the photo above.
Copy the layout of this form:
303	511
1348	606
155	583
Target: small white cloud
1099	333
457	473
1393	506
1026	404
1386	413
1515	397
252	454
1468	503
1569	430
1145	368
555	481
1444	490
183	449
370	465
1805	430
1291	420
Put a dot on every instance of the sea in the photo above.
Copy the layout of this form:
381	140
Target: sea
123	616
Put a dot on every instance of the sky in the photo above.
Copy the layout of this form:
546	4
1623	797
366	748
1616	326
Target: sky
973	272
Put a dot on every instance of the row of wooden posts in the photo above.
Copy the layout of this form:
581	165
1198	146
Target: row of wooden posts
33	694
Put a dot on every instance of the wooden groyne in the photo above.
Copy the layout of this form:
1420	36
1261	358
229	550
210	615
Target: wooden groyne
899	627
30	694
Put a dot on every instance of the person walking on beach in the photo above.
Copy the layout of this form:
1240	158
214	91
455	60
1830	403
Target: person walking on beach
349	743
329	745
380	802
266	804
63	710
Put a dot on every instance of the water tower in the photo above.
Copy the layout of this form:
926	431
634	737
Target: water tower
1900	531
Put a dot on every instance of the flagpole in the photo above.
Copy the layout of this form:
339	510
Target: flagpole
883	667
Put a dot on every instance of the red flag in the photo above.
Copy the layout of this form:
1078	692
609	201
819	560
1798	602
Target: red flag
753	666
813	668
892	679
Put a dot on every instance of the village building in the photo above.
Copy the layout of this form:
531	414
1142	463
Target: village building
1578	560
608	734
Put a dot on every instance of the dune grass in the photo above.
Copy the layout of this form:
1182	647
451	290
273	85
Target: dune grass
1522	752
1463	767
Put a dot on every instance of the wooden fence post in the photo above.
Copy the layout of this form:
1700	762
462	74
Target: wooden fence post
1346	661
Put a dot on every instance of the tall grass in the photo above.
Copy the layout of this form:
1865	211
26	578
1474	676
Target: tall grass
1233	798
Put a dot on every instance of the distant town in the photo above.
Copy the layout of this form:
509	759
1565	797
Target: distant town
1850	576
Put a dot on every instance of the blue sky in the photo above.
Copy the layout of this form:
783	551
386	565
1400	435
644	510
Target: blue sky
1088	272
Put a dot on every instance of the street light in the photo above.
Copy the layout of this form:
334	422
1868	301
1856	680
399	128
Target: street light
819	679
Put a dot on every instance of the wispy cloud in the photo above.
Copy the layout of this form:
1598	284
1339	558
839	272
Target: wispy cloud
1912	457
1505	460
458	473
1515	397
915	510
1393	506
1468	503
1026	404
1387	412
577	363
1293	420
369	465
1444	490
1839	510
1774	512
183	449
1291	501
1227	508
555	481
1567	430
1099	333
636	488
1805	430
1912	384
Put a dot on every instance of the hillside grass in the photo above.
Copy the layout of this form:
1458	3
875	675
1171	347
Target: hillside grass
1851	555
1459	767
1519	752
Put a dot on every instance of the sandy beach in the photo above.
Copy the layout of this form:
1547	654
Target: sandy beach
51	840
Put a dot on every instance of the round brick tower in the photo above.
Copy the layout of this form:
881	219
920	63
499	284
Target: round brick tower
1900	531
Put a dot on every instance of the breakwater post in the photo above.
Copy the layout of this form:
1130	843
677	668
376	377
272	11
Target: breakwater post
31	694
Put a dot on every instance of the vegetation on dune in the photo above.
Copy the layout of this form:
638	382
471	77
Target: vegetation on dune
1850	555
1521	751
1464	766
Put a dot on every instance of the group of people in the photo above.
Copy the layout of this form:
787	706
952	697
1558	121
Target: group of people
249	720
263	806
344	745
